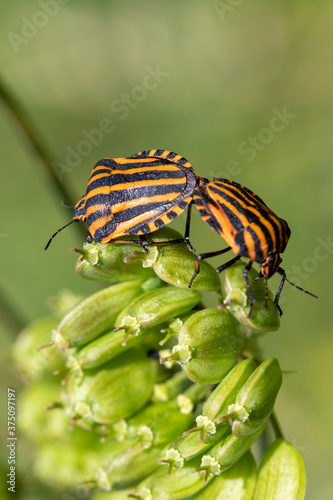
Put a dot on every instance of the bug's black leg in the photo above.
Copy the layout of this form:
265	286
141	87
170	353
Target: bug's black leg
187	228
207	255
144	243
279	290
266	294
227	264
246	271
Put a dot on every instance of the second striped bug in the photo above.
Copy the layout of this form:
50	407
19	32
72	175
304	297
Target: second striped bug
249	227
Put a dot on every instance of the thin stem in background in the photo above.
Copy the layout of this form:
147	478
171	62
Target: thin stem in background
34	138
11	319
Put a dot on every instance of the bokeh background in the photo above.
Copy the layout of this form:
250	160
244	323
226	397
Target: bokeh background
243	90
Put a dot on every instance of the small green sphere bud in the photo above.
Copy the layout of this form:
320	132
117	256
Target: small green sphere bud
236	483
155	307
213	342
225	393
255	401
95	396
31	362
114	262
175	264
95	315
264	317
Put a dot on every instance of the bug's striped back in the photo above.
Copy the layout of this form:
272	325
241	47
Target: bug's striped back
246	223
135	195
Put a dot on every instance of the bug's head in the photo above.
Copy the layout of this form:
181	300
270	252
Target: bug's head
270	265
79	212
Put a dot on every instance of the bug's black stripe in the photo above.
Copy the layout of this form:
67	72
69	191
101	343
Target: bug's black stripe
103	232
98	171
138	227
97	215
182	205
171	215
250	216
159	223
98	199
252	201
105	162
154	175
251	196
158	153
280	227
132	194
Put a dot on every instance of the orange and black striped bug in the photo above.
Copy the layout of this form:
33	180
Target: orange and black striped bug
249	227
142	193
135	195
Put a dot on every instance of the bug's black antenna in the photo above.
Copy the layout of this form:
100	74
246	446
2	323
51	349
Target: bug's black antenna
284	278
53	235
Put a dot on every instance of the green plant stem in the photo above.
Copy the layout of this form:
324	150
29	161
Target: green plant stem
276	426
34	138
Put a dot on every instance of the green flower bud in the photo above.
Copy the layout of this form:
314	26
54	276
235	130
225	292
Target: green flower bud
193	443
70	458
63	302
181	484
264	317
175	264
155	307
108	346
174	327
33	420
95	315
281	473
210	342
236	483
226	392
227	453
150	430
112	262
171	388
33	364
128	468
96	396
165	421
255	401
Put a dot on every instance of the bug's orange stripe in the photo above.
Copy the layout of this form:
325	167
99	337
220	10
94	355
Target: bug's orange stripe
123	227
229	230
94	178
98	190
166	168
119	207
123	161
265	221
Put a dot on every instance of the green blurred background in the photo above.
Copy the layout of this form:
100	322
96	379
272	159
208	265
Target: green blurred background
204	79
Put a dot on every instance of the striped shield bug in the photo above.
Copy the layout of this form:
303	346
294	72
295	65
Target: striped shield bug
249	227
135	195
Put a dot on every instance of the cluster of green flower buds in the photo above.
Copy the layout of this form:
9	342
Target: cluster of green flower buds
160	398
